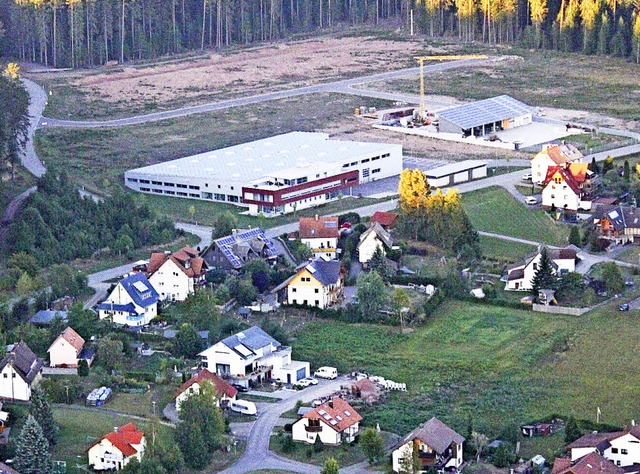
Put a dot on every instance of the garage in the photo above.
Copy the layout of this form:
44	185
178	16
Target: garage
455	173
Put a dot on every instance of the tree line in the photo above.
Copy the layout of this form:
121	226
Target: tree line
14	116
86	33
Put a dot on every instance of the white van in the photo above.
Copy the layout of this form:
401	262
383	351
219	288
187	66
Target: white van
243	406
326	372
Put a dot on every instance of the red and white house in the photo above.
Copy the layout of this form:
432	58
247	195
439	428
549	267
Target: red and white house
67	350
333	422
176	275
116	449
320	235
222	390
568	188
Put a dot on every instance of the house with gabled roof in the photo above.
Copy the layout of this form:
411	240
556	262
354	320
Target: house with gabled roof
552	155
176	275
133	302
116	449
619	224
318	283
519	276
620	447
320	234
568	188
373	238
592	463
253	356
20	371
386	219
222	390
436	445
333	422
234	251
67	350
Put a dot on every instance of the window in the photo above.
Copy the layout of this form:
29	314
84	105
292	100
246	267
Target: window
171	185
299	180
157	183
132	180
317	303
219	197
144	181
614	450
181	194
317	290
182	186
194	187
159	191
194	195
231	198
375	158
366	160
377	170
293	290
386	155
624	451
170	192
145	189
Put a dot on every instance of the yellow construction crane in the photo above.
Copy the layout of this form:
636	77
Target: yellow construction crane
422	59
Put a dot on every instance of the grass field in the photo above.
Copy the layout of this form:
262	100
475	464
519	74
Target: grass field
495	210
631	254
503	250
502	367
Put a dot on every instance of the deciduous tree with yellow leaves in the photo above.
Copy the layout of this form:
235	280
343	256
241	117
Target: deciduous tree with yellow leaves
413	189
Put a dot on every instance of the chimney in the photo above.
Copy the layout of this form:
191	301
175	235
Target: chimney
330	403
564	142
316	216
633	422
115	429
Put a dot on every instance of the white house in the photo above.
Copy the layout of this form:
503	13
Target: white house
68	349
222	389
620	447
371	239
567	188
116	449
437	445
320	235
133	302
333	422
520	275
20	371
318	284
553	155
252	356
177	275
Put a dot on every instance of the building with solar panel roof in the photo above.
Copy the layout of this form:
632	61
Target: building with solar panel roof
485	116
233	251
272	176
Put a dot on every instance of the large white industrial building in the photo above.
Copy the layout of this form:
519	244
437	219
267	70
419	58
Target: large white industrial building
272	176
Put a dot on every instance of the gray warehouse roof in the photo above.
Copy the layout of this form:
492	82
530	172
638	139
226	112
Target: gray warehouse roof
453	168
485	111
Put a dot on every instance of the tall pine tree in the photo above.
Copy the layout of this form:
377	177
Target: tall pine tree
40	409
543	278
32	450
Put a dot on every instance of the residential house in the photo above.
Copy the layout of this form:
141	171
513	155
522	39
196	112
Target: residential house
386	219
592	463
20	371
319	284
67	350
176	275
568	188
620	447
619	224
320	235
133	302
253	356
222	389
234	251
333	422
553	155
116	449
520	275
371	239
46	317
437	445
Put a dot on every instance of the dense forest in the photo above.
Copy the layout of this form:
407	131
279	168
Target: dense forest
57	225
85	33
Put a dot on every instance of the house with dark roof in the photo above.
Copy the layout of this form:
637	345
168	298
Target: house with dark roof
373	238
519	276
116	449
20	371
592	463
333	423
234	251
253	356
133	302
176	275
436	445
622	448
318	283
221	389
619	224
386	219
552	154
67	350
320	234
45	317
569	188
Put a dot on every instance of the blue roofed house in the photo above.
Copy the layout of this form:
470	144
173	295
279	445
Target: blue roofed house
133	302
253	356
319	283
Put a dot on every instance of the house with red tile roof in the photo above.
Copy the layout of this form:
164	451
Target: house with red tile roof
176	275
222	390
592	463
622	448
333	422
320	234
386	219
68	349
116	449
568	188
553	155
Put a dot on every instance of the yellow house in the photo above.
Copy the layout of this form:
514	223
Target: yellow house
318	284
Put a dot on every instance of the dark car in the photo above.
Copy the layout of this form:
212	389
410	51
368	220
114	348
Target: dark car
624	307
239	388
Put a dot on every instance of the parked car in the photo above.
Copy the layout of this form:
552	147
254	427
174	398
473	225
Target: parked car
527	177
307	381
239	388
624	307
326	373
531	200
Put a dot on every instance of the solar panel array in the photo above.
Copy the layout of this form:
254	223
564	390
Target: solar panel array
226	244
485	111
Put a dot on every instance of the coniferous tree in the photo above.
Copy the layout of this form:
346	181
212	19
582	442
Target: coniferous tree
574	236
543	277
32	450
40	409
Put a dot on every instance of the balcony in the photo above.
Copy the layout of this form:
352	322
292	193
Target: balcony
313	429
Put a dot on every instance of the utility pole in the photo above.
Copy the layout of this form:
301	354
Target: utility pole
153	425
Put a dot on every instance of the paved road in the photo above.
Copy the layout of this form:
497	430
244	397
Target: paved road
346	86
37	104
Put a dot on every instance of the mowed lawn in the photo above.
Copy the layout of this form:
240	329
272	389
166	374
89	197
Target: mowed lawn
504	250
495	210
502	367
